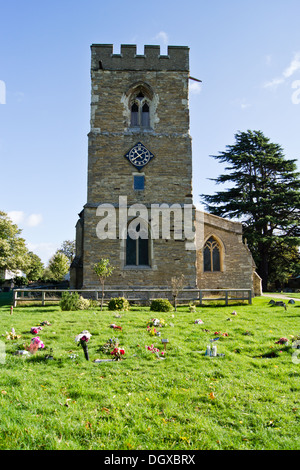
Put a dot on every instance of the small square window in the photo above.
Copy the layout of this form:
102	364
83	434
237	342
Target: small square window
139	182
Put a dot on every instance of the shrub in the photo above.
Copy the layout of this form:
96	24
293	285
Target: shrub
83	304
161	305
118	303
69	301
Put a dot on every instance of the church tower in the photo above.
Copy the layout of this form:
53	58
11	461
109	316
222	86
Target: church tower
139	170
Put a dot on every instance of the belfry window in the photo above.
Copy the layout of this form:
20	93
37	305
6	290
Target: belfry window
212	255
140	111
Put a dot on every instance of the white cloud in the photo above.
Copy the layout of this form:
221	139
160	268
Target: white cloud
34	219
293	67
195	87
273	84
20	217
163	37
44	250
16	216
287	73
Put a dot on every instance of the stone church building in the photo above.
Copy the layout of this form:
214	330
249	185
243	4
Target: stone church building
139	211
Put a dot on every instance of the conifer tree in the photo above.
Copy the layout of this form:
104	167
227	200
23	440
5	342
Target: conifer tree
263	192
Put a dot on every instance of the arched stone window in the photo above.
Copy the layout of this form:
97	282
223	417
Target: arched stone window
140	104
212	255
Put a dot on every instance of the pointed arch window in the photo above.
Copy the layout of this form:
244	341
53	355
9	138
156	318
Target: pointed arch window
212	255
140	110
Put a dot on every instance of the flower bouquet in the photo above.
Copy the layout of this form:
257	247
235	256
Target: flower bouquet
156	322
154	350
198	322
117	353
44	323
35	345
12	334
115	327
110	344
152	331
35	330
282	341
82	340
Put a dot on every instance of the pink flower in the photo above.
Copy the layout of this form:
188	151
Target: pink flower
38	342
35	329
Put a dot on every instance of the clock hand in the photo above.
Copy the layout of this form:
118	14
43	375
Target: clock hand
133	159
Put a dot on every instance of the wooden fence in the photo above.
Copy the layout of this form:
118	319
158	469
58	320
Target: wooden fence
144	296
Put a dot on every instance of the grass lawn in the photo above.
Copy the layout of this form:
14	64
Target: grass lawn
247	399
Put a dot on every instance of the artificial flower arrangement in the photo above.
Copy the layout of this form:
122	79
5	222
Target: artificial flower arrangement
156	322
35	330
110	344
154	350
192	307
152	331
115	327
12	334
44	323
198	322
35	345
282	341
82	339
117	353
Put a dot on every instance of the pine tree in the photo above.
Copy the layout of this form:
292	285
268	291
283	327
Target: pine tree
263	193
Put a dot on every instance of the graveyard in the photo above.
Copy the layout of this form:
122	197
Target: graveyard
213	377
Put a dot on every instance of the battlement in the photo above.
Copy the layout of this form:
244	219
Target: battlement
103	58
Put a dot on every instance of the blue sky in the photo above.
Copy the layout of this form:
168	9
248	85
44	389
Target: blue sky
247	54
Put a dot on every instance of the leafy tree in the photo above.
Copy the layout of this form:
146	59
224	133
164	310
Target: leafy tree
103	270
58	266
263	192
13	250
35	269
68	249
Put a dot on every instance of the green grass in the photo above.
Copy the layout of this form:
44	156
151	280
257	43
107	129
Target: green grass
248	399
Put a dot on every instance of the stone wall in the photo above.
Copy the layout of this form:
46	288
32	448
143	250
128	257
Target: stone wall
168	176
237	263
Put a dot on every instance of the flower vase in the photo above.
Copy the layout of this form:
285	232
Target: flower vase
85	350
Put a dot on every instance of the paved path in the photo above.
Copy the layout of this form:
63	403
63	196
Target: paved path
280	296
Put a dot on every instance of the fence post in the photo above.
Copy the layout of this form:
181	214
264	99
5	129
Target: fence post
200	297
250	297
226	297
15	297
43	297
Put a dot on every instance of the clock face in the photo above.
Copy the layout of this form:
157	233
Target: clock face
139	155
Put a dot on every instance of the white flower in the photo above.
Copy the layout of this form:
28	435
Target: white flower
83	333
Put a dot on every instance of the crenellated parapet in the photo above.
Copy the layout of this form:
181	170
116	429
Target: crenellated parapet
103	58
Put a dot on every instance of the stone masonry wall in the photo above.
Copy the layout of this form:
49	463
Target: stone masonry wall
168	176
238	265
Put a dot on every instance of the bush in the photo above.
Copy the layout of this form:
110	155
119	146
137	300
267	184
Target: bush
83	304
118	303
161	305
69	301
